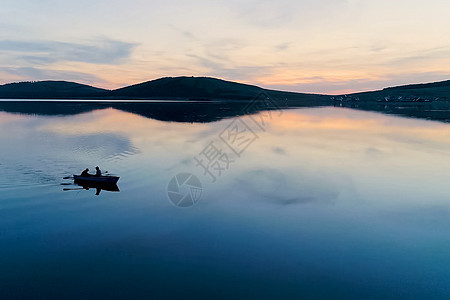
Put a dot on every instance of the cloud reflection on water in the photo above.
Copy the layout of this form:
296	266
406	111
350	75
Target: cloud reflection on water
308	155
334	198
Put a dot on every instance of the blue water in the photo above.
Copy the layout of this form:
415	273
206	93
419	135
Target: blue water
324	203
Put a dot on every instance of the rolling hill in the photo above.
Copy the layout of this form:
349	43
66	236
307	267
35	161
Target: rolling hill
168	88
427	101
425	90
203	89
48	90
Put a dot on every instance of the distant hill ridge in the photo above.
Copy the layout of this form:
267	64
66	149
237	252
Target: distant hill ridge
167	88
190	88
48	90
421	85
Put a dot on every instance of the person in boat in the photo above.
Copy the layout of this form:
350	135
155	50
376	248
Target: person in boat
85	173
98	173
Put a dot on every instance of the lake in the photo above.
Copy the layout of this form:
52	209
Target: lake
312	203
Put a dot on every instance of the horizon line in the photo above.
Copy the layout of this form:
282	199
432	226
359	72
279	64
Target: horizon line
342	92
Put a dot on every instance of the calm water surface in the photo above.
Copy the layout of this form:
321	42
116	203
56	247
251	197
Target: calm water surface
324	203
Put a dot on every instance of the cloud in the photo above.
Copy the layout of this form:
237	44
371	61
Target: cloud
373	153
424	56
282	188
283	46
104	51
217	64
324	85
278	150
30	73
264	14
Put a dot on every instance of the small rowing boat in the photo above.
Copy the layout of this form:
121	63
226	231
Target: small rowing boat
96	179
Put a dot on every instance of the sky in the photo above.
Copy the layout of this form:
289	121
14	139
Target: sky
320	46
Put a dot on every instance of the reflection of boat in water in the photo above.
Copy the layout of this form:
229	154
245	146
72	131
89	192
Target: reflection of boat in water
109	187
96	179
100	183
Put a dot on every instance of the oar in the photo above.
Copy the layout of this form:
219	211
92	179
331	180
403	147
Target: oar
68	177
76	189
106	173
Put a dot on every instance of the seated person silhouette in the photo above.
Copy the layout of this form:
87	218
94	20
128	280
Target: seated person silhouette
85	173
98	173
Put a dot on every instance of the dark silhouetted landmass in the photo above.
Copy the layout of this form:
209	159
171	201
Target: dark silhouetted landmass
169	88
204	89
184	112
49	90
219	99
194	88
439	84
425	101
411	92
210	89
